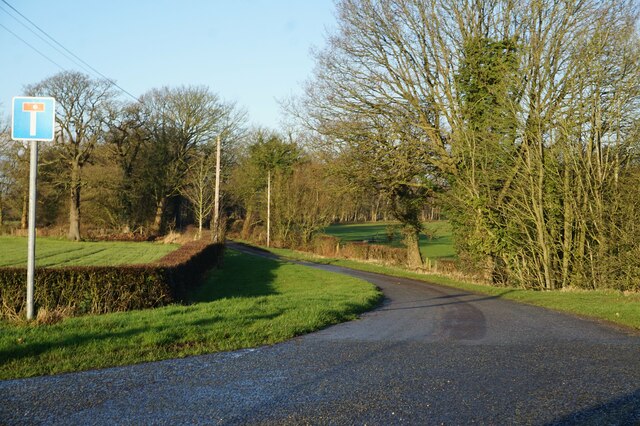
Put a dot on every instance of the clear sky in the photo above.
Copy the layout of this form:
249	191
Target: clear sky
248	51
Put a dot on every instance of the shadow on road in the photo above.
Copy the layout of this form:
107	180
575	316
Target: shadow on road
456	302
624	410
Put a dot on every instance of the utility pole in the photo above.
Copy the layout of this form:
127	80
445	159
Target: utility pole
216	205
268	207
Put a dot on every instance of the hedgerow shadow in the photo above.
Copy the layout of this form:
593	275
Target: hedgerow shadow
244	276
34	349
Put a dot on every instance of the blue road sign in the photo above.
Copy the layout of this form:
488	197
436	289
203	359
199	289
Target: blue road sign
33	119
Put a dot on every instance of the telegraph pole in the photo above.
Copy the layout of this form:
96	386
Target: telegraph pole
268	208
216	204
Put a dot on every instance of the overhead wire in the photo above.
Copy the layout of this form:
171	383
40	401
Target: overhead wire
32	47
70	58
113	83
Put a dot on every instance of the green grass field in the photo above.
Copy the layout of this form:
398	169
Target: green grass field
55	252
612	306
250	302
438	243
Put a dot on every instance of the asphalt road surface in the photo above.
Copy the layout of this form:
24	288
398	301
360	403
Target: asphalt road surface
428	355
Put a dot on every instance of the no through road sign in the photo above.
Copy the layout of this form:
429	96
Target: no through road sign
33	119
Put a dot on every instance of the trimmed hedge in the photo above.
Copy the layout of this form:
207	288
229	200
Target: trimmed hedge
374	252
329	246
102	289
325	245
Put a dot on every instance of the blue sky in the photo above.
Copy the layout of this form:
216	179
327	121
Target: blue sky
248	51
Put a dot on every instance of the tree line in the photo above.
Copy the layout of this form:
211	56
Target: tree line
146	167
128	165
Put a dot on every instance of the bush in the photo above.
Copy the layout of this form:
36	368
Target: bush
102	289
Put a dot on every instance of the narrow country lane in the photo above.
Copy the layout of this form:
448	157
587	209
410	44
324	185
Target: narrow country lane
428	355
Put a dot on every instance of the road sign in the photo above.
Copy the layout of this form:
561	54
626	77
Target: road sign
33	119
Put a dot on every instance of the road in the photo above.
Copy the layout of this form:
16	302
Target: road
428	355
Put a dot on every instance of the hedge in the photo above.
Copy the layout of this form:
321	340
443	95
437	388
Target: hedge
330	246
102	289
325	245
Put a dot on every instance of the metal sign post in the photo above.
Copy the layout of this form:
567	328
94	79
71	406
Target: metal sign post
31	250
33	120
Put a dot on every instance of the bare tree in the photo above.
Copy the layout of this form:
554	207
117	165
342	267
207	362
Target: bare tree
80	116
198	186
126	141
179	120
7	165
303	203
232	133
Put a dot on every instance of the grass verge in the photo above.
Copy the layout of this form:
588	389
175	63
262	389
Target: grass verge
250	302
616	307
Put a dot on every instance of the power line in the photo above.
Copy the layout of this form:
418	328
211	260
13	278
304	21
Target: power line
67	50
44	39
31	46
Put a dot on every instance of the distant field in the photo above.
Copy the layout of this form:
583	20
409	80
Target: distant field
55	252
439	245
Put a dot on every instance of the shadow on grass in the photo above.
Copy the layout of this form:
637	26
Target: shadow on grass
27	349
242	275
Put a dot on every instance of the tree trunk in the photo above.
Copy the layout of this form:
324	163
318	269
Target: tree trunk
199	236
126	213
269	209
412	241
222	228
157	222
568	226
25	211
177	211
215	223
246	225
375	208
541	226
74	204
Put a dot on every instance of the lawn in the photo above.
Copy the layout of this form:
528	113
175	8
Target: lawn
250	302
611	306
56	252
435	241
